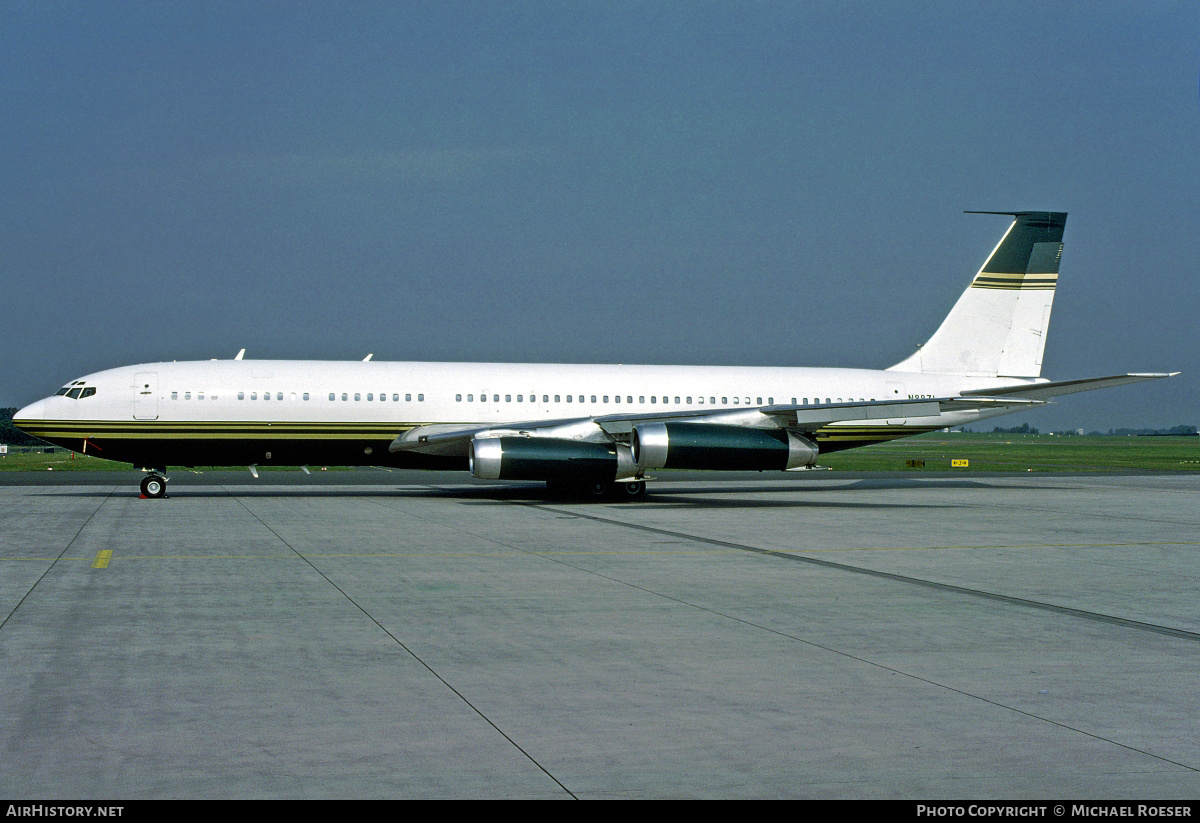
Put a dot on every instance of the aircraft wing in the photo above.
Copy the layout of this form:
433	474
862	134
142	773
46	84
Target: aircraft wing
1044	391
453	439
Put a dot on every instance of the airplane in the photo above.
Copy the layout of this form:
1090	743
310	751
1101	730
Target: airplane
592	429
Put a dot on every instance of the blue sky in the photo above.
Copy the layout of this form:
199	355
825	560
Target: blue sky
703	182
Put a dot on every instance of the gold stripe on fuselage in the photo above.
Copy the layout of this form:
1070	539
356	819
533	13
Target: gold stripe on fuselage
210	430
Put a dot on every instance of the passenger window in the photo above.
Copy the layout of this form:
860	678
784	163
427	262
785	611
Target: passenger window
642	399
689	401
712	400
757	401
616	398
345	397
370	396
458	398
546	398
407	398
278	395
187	395
724	401
556	400
200	396
653	398
175	395
420	398
827	400
395	398
519	400
306	395
331	396
747	401
629	398
605	398
735	401
593	398
508	398
570	398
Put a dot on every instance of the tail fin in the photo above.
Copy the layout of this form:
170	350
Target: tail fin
998	326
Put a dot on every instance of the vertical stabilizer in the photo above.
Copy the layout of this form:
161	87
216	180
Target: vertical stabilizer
998	326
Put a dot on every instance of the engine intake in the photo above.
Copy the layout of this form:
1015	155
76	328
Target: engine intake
714	446
548	458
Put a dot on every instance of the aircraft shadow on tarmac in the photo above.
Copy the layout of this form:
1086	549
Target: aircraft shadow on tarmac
667	496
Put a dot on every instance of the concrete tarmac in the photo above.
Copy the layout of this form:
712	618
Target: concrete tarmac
423	635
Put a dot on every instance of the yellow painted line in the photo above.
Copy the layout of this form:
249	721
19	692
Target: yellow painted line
102	558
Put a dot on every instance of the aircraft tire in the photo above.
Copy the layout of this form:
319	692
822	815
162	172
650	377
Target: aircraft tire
634	490
154	486
598	490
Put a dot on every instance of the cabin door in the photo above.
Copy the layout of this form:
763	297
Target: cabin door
145	404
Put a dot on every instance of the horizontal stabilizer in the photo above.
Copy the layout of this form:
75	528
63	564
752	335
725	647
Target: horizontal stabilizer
1044	391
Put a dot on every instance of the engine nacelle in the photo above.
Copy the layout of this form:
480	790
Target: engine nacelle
713	446
549	458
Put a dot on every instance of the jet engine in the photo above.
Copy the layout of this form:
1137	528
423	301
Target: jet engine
549	458
714	446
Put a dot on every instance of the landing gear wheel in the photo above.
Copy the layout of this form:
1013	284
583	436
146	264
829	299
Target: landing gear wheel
598	489
634	490
154	486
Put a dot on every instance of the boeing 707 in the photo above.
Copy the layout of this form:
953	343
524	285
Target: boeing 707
595	428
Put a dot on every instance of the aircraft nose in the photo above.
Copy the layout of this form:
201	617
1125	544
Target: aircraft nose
34	411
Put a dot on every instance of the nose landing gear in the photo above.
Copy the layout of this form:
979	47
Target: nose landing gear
154	486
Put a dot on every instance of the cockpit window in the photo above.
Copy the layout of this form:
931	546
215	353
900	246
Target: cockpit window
89	391
62	391
74	393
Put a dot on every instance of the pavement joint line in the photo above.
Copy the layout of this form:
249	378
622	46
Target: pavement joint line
1097	617
401	644
66	548
832	650
848	655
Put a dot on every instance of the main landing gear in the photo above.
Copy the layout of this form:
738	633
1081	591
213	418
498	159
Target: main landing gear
625	490
154	485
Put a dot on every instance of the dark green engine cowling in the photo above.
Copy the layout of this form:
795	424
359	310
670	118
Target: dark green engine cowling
549	458
719	447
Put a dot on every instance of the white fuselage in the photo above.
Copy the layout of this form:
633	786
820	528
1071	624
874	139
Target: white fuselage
419	393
